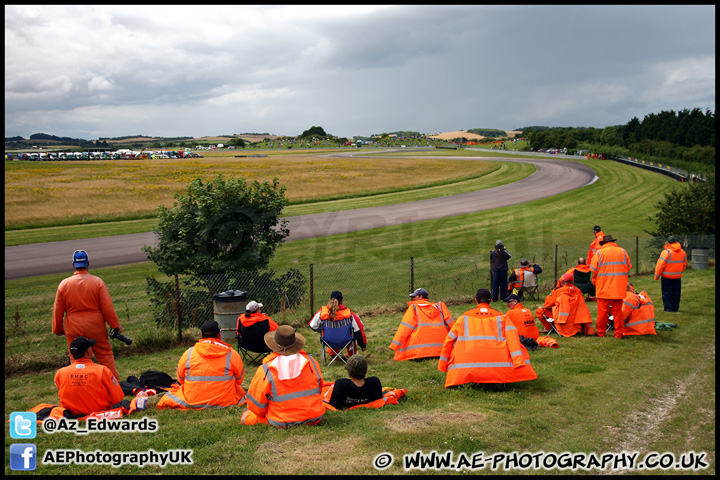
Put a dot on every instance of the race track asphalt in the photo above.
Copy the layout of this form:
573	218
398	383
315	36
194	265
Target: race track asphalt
551	178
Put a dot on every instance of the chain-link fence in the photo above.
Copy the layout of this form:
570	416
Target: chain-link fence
153	309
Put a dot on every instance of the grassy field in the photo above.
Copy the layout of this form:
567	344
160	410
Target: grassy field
644	394
484	175
641	394
93	191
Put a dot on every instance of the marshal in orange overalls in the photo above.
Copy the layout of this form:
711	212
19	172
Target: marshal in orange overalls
84	302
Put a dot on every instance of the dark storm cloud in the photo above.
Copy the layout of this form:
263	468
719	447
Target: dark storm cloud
92	71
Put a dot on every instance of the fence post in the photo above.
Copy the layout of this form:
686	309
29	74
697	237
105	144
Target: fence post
178	307
412	274
556	273
637	255
312	293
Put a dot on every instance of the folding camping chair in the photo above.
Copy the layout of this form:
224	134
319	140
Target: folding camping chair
583	281
251	341
530	286
611	323
551	321
336	335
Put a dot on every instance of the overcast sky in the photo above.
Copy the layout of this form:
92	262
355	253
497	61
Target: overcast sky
110	71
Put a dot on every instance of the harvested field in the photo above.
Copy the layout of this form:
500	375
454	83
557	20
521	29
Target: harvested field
470	136
89	189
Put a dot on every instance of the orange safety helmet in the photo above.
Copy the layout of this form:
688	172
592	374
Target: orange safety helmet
567	279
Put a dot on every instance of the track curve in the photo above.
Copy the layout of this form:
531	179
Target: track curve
551	178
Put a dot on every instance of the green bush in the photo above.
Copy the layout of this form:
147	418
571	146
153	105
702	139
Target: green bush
277	292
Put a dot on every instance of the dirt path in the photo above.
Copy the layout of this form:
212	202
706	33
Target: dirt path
642	426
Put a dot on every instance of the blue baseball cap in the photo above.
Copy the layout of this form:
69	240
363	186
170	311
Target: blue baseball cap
420	291
80	259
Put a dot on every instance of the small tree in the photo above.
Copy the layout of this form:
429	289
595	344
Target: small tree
314	132
219	227
687	210
238	142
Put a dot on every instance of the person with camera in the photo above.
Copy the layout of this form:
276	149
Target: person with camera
82	308
499	271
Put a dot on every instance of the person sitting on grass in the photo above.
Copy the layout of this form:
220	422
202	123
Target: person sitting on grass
84	386
356	390
210	374
287	388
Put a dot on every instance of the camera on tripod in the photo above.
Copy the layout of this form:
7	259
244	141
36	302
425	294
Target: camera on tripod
119	336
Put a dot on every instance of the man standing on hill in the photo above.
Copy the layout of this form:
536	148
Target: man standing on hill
595	245
610	269
499	271
670	266
84	302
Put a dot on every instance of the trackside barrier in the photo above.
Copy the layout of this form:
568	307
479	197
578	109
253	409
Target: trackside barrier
678	174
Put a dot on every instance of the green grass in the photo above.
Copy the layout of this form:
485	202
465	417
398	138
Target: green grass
651	393
379	258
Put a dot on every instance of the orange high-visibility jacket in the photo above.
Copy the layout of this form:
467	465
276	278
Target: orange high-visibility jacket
210	374
548	342
524	321
85	387
610	268
594	246
287	390
422	330
638	313
482	348
672	262
253	319
569	310
84	302
519	277
343	314
579	268
48	410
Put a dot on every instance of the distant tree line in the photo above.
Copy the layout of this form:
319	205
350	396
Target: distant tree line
488	132
686	137
407	134
145	136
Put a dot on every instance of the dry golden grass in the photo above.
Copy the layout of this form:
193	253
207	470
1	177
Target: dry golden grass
312	454
49	192
429	421
469	136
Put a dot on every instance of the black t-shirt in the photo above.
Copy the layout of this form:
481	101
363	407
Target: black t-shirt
346	394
